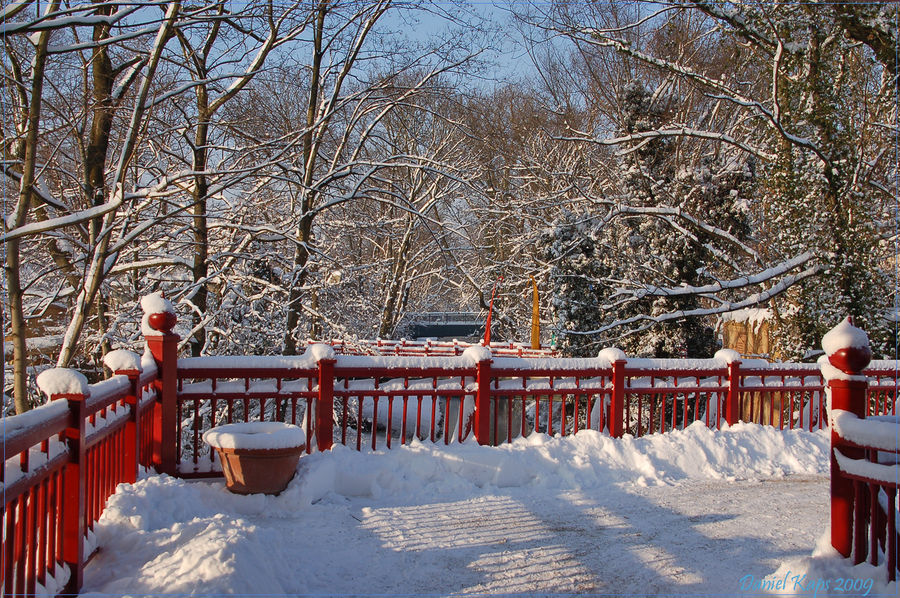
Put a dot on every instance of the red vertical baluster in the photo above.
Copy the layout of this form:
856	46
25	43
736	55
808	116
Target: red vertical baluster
434	400
509	417
589	401
522	419
31	547
874	512
374	417
21	546
859	521
640	412
550	407
345	415
891	532
359	420
460	432
43	511
11	555
55	522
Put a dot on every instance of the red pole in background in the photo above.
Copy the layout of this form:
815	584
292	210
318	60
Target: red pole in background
487	325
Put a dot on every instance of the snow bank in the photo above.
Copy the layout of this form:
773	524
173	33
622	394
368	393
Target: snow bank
827	573
57	381
415	520
881	432
255	435
583	461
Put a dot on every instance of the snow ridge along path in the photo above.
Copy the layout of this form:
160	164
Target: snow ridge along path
692	512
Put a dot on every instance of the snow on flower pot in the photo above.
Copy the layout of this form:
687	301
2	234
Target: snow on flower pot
257	456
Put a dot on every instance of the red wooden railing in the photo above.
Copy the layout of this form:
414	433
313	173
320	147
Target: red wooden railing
865	453
63	460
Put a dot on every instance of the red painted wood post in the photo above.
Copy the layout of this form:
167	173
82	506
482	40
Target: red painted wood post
325	405
131	444
164	347
483	402
73	499
617	401
733	400
847	395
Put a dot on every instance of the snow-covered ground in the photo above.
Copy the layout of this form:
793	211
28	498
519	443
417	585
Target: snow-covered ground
692	512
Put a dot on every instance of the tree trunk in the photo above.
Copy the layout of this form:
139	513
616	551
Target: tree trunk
304	229
199	265
13	264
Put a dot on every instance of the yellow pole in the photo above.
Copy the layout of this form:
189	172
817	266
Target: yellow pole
535	317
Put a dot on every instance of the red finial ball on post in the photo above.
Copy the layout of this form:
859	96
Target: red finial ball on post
162	321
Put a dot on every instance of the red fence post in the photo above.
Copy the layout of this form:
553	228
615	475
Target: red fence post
73	499
733	402
325	405
131	448
164	347
617	401
848	393
483	402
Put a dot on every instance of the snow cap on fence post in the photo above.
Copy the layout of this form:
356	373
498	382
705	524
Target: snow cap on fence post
59	383
476	354
612	355
320	351
123	361
727	355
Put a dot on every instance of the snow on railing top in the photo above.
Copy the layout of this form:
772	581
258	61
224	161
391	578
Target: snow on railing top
62	381
880	432
307	361
122	360
884	474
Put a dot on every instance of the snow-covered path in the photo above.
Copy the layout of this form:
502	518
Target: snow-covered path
692	512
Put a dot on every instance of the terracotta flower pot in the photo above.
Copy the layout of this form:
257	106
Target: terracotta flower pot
257	457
